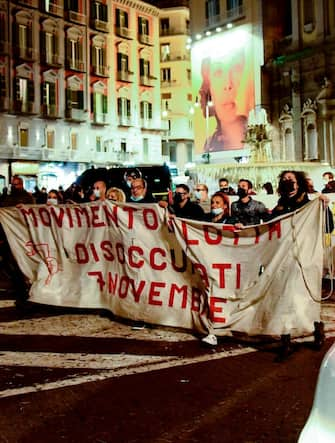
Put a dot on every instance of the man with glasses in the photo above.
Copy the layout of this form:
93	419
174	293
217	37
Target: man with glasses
183	207
139	192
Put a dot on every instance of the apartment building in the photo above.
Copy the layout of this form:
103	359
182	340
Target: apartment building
176	86
80	86
298	79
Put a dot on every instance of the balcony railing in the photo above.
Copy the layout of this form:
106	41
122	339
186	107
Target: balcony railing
52	8
100	118
76	17
145	39
125	76
26	54
183	30
124	120
52	59
49	111
76	115
100	70
147	80
24	107
4	103
231	15
100	25
76	65
124	32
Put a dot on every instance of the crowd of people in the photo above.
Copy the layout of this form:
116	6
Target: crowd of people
293	191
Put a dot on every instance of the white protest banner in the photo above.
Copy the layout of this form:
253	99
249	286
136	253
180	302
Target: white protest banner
132	260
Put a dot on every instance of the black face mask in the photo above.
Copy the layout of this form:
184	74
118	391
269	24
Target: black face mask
242	192
177	198
225	189
286	187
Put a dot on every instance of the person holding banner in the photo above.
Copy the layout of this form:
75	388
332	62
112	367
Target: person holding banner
219	209
139	192
246	210
293	194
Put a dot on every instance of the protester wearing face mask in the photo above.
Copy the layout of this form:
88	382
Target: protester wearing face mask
139	192
183	207
116	195
225	188
99	190
201	197
219	209
247	211
54	198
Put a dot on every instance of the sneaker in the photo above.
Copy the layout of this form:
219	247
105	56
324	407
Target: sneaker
210	339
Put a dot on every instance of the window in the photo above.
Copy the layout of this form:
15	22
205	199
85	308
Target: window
99	107
121	19
24	137
165	26
146	149
74	99
166	75
49	94
74	50
50	139
212	9
144	68
99	11
143	26
122	62
99	60
234	8
287	14
124	110
165	52
146	110
24	94
309	17
74	141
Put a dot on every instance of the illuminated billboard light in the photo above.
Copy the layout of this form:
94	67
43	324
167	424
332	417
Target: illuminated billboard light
223	79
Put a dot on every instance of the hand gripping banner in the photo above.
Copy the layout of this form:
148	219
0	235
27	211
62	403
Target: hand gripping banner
140	264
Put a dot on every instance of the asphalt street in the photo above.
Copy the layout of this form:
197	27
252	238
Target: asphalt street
80	376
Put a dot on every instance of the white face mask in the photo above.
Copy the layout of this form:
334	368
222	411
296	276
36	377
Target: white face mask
97	193
197	195
217	211
52	201
136	199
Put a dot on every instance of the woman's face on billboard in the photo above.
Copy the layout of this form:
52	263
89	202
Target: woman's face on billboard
225	75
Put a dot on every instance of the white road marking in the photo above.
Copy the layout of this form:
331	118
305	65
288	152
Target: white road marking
159	364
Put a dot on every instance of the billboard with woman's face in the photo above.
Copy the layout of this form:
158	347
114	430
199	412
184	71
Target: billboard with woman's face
224	86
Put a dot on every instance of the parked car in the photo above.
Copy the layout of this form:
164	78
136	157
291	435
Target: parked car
320	426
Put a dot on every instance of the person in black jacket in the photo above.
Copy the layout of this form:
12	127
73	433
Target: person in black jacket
139	192
293	194
183	207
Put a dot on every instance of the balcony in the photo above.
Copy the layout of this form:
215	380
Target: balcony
147	123
4	47
145	39
100	118
52	59
124	76
76	17
24	107
124	120
49	111
26	54
32	3
76	115
230	16
175	58
123	32
52	8
174	31
75	65
4	103
100	25
100	71
147	80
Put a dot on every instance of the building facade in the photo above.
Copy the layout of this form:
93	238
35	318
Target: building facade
298	79
176	86
80	86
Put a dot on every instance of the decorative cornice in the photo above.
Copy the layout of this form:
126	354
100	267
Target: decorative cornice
140	6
